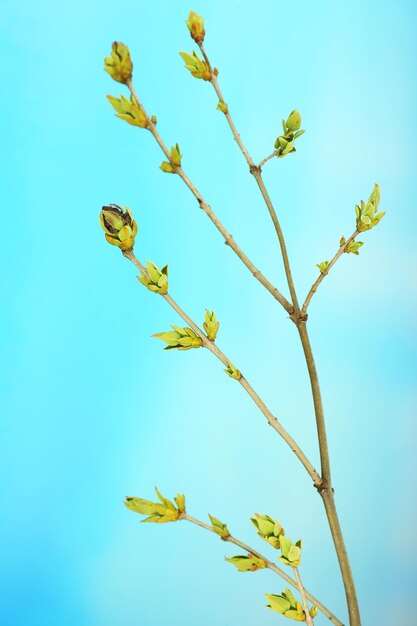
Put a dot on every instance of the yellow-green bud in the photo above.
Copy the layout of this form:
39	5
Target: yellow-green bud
167	167
353	247
366	214
129	111
119	64
159	513
375	196
323	266
246	563
180	502
287	605
290	552
197	67
179	338
195	25
269	529
293	120
211	325
222	106
155	280
285	144
119	226
233	372
219	528
175	157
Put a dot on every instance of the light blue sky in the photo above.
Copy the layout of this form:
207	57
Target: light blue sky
93	409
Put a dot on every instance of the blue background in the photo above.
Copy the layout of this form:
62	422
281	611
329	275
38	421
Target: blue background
92	409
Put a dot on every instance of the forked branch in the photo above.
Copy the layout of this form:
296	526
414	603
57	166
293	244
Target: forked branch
343	247
257	174
229	240
270	565
210	345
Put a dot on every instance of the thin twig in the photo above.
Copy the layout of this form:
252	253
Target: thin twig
257	174
303	595
270	565
266	159
229	240
323	276
210	345
258	177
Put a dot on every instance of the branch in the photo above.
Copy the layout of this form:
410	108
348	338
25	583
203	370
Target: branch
266	159
210	345
303	595
325	487
209	212
257	174
270	565
315	285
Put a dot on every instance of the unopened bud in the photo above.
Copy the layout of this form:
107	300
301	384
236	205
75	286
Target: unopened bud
119	226
179	338
129	111
195	25
211	325
197	67
294	120
119	65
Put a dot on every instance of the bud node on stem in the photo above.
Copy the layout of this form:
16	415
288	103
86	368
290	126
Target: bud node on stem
322	486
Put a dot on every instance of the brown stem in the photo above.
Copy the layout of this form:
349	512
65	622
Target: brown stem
352	600
303	596
326	489
318	404
257	174
266	159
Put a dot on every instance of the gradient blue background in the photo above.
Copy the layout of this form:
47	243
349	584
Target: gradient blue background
92	409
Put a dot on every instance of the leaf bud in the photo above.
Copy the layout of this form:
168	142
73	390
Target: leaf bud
119	65
286	604
293	120
222	106
285	144
246	563
323	266
366	214
290	552
155	280
195	25
119	226
167	167
197	67
219	528
353	247
233	372
129	111
179	338
211	325
160	512
270	530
